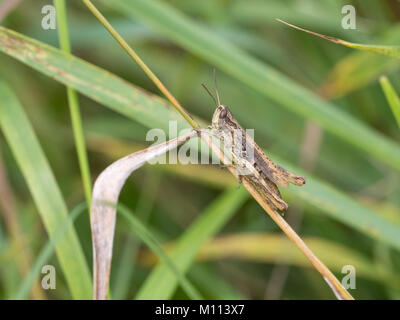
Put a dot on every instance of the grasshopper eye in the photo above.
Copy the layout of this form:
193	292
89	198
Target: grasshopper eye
223	114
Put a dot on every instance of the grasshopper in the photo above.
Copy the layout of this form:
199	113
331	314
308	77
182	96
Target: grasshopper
250	162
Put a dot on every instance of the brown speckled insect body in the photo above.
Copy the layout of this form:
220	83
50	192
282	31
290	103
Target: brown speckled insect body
250	161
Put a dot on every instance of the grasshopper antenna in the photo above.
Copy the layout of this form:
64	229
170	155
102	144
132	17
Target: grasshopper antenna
208	91
216	87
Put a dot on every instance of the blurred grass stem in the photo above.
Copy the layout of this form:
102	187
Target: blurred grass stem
73	103
141	63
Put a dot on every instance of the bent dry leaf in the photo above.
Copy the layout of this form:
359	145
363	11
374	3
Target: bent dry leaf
103	212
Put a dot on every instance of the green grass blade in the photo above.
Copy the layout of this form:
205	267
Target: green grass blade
360	68
389	51
127	263
340	206
161	283
392	98
263	13
276	248
153	244
261	77
215	286
384	50
46	253
45	191
73	102
90	80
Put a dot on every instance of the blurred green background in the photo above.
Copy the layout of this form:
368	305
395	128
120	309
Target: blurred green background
320	110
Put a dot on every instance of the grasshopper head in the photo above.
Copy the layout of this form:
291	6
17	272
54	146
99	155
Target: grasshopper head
221	115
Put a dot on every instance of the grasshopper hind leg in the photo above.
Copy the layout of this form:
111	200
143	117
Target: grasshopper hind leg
240	179
270	192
